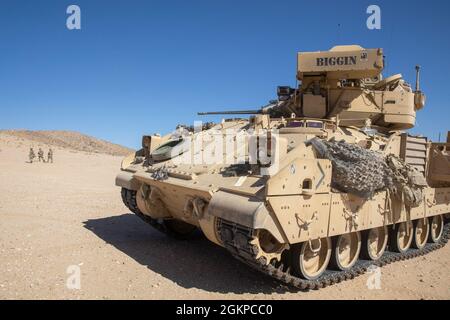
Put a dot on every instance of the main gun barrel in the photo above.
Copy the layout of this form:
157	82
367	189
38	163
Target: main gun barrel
230	112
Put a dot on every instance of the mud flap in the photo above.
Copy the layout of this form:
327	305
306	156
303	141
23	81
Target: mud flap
126	180
247	211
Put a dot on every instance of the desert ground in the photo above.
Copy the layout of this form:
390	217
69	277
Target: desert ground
53	216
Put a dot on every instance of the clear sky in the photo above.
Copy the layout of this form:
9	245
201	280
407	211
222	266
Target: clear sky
139	67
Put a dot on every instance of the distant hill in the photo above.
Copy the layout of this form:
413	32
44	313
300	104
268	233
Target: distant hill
70	140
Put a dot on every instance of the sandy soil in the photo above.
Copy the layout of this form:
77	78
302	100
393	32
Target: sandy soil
70	213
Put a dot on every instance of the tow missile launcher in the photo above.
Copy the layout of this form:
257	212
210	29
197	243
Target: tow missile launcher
314	187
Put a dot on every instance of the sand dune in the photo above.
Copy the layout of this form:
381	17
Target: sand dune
69	140
69	213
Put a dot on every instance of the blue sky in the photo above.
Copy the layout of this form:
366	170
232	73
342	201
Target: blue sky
141	67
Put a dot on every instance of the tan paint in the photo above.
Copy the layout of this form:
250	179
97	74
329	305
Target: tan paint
296	203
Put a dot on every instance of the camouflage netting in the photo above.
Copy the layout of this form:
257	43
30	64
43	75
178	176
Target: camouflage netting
364	172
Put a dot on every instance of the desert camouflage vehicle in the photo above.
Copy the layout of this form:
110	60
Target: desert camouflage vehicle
324	183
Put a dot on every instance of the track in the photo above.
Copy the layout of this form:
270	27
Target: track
237	240
129	199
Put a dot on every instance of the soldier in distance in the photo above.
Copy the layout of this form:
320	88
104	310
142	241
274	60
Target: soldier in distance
31	155
41	155
50	156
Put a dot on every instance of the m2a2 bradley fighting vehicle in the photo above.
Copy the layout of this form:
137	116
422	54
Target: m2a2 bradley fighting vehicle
333	185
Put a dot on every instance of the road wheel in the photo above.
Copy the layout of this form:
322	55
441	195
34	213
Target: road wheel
374	243
401	237
421	232
436	228
346	249
310	259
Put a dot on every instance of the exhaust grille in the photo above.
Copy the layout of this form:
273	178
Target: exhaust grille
413	151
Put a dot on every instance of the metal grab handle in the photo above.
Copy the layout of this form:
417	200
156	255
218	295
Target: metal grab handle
199	206
350	215
311	246
431	203
353	216
194	207
305	224
383	211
